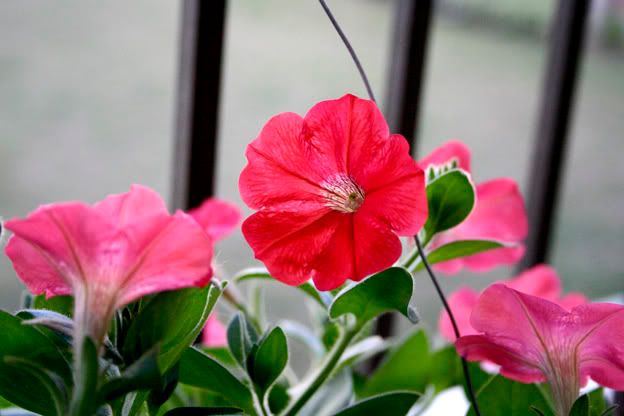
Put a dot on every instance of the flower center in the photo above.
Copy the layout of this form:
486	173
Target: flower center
343	194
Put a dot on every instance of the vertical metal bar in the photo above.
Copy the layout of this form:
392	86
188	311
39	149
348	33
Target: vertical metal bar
407	67
404	89
559	86
197	112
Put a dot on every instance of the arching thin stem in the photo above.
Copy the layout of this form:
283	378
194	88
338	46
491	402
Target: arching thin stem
434	280
346	42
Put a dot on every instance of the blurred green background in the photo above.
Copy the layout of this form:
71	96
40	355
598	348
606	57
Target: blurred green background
87	91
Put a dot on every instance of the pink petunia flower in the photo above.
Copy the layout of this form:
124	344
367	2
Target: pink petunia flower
108	254
214	333
499	214
541	281
534	340
217	217
333	190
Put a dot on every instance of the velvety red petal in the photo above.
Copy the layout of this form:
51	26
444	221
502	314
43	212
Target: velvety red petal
288	242
178	254
394	187
451	150
217	217
345	133
280	169
461	302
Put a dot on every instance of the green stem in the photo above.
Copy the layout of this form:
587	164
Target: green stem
324	372
415	254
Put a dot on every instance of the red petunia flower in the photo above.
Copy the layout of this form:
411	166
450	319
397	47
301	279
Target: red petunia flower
541	281
499	214
333	190
535	340
108	254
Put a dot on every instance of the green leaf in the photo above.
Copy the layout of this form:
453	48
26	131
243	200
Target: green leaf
361	351
200	370
173	320
405	368
510	398
34	388
458	249
26	344
205	411
451	198
389	290
580	407
389	404
143	374
83	402
241	338
269	360
61	304
261	273
597	402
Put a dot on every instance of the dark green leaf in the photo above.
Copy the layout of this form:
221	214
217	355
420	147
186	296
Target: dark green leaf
241	338
278	397
61	304
27	384
458	249
535	410
30	344
269	360
199	370
262	273
389	404
580	407
610	411
83	402
168	383
597	402
171	319
451	198
389	290
406	368
143	374
510	398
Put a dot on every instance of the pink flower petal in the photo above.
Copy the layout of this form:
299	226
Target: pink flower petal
132	207
217	217
449	151
461	302
499	214
541	280
214	334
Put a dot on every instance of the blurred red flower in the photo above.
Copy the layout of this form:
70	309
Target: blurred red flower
499	214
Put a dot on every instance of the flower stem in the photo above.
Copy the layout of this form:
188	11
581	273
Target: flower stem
434	280
324	372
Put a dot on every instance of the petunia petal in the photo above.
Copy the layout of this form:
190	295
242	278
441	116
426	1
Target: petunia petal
394	188
461	302
217	217
451	150
178	254
133	206
499	214
288	242
280	170
214	334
